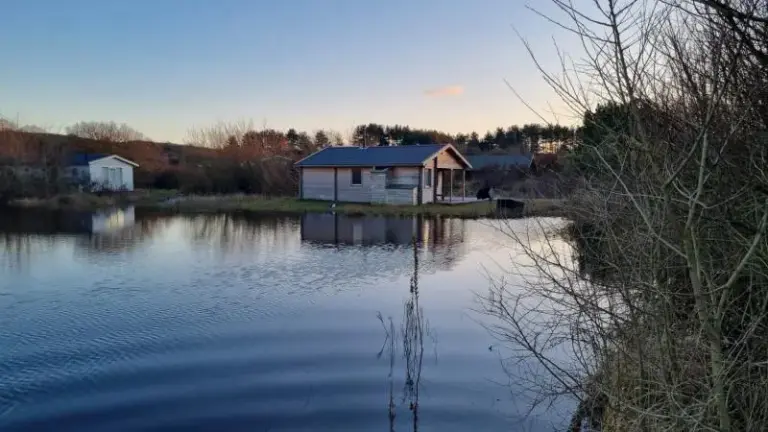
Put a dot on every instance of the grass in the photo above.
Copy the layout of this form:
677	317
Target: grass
545	207
171	200
296	206
89	201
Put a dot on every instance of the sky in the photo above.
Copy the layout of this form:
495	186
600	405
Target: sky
165	66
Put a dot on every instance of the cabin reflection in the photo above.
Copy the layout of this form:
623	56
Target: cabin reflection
339	229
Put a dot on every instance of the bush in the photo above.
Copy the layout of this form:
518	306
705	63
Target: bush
9	186
168	179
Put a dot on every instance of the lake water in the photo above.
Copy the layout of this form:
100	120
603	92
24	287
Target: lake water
126	321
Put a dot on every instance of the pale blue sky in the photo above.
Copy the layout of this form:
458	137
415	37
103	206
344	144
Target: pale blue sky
163	66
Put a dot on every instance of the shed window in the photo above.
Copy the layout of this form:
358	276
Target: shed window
357	176
428	177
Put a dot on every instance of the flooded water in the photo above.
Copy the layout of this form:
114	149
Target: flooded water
124	321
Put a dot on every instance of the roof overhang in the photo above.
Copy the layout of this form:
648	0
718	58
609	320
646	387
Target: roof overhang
121	159
456	153
360	165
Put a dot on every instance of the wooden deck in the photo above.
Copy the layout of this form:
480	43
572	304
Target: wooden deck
457	200
505	207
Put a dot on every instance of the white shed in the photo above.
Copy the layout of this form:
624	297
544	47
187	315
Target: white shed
105	172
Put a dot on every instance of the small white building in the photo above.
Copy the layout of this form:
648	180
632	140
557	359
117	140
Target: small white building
102	172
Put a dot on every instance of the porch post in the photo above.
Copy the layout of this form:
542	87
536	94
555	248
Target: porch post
434	181
463	184
301	183
335	184
450	196
420	192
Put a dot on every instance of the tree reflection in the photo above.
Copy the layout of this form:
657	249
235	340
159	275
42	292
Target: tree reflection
441	239
231	232
413	329
413	341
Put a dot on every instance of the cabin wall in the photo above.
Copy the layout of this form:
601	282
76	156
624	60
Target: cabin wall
357	193
427	191
404	176
317	183
384	193
397	186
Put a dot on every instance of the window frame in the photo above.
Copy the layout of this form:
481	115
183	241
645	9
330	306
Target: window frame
359	172
428	177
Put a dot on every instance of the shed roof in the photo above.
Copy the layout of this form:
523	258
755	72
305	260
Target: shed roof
84	159
410	155
500	160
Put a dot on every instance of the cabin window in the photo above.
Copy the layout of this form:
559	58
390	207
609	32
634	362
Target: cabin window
428	177
357	176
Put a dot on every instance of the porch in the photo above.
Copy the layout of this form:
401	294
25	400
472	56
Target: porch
450	186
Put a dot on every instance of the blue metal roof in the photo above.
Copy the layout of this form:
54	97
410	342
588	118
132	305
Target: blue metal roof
83	159
500	160
408	155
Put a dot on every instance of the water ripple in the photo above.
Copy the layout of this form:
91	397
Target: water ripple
225	323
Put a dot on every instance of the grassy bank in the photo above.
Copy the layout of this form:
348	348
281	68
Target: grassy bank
172	201
296	206
88	201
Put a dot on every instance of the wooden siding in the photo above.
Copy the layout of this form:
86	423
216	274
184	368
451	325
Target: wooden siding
317	183
97	173
446	159
428	195
347	192
405	176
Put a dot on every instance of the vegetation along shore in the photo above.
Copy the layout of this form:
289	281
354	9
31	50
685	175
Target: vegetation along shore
172	201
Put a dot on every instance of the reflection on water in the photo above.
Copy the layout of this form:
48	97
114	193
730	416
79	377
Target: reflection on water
413	342
25	233
136	320
413	329
39	221
329	228
434	234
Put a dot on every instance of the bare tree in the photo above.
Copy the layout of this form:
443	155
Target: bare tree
335	138
321	139
6	125
220	134
105	131
663	325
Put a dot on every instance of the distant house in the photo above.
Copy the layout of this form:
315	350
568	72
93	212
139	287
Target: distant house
500	161
414	174
499	169
101	171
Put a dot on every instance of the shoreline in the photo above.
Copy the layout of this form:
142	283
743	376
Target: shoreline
173	202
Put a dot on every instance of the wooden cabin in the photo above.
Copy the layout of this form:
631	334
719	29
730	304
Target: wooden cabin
414	174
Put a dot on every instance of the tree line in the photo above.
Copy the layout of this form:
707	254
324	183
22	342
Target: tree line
237	156
525	138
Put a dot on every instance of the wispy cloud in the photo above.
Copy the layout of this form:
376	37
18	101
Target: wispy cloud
454	90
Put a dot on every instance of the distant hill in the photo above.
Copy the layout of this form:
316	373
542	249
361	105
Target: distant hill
153	158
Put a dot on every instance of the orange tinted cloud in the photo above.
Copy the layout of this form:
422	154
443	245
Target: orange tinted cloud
453	90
